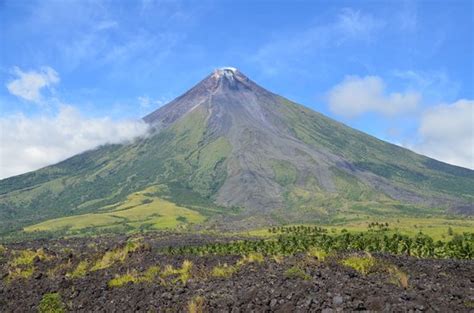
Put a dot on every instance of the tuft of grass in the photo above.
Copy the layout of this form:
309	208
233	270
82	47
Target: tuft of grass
27	257
318	253
18	272
397	276
150	274
59	269
169	270
51	303
3	250
253	257
116	256
80	270
22	265
224	271
121	280
196	305
278	258
133	277
361	264
183	273
296	272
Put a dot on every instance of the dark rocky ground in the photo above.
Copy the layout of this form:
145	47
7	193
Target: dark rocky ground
433	286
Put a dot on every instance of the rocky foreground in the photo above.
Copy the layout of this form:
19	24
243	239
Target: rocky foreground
123	275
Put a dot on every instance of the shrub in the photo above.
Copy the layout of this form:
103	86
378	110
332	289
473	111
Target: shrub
450	231
361	264
51	303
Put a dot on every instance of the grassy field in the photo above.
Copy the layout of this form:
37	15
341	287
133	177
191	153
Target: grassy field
437	228
145	210
140	208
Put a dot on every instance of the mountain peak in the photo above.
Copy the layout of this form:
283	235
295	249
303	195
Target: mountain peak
227	69
228	73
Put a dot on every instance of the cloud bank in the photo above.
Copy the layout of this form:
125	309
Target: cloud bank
356	95
31	143
28	85
447	133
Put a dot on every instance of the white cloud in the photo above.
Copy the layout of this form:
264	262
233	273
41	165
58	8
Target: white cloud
28	85
357	95
447	133
31	143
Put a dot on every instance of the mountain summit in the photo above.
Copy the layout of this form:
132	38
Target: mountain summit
235	152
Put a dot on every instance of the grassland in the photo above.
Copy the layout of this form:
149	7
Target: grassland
140	208
437	227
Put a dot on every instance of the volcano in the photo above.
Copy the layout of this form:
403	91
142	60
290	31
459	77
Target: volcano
240	155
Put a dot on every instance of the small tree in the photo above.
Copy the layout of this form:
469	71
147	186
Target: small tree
450	231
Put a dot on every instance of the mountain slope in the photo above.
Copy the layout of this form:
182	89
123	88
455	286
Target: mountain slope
229	146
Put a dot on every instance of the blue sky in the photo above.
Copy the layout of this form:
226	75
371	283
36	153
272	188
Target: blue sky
394	69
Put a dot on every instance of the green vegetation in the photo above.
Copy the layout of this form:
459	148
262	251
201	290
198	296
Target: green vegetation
317	253
196	305
133	277
136	211
27	257
224	271
122	280
297	272
251	257
361	264
51	303
182	274
116	256
285	173
80	270
149	274
301	239
23	263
